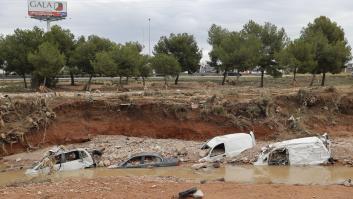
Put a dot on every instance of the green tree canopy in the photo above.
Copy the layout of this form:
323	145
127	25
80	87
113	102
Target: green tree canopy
298	57
15	50
85	53
215	36
127	59
331	48
65	41
104	64
237	51
47	61
166	65
184	48
273	40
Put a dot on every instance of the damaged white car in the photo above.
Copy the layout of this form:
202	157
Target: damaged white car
227	146
302	151
60	159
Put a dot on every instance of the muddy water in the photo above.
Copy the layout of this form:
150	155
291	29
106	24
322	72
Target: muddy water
317	175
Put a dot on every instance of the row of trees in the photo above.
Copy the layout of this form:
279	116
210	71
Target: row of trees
44	55
321	48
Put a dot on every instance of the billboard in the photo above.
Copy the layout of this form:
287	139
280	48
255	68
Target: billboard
47	8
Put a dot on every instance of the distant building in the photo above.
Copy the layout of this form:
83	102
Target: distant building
349	68
207	69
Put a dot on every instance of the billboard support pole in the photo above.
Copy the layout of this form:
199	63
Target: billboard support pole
48	25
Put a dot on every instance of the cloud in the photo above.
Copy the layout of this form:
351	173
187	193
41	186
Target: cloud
127	20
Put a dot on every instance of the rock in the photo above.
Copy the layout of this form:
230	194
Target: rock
347	183
18	159
202	153
198	194
203	181
39	192
154	186
199	166
101	164
106	163
220	180
216	165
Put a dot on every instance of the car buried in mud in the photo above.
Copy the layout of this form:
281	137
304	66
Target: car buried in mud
302	151
227	146
60	159
146	160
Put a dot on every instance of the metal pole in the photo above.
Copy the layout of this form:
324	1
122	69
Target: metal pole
149	36
48	25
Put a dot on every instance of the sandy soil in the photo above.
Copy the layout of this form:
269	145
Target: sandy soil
142	187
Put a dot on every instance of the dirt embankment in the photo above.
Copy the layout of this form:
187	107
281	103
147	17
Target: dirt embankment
309	112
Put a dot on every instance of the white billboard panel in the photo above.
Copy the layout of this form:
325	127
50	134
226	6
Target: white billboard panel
49	8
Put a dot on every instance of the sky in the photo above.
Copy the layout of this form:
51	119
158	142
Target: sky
127	20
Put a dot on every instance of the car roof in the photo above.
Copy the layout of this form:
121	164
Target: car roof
146	154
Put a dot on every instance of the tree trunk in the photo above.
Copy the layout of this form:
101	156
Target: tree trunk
24	80
295	75
323	79
143	81
176	79
120	80
72	79
224	77
262	78
45	82
313	79
127	80
88	84
165	81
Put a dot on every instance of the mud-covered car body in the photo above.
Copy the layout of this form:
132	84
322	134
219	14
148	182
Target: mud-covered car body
146	160
227	146
60	159
302	151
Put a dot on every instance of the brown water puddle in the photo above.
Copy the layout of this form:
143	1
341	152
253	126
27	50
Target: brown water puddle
317	175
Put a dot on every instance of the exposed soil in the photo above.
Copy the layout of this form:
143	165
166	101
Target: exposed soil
144	187
182	115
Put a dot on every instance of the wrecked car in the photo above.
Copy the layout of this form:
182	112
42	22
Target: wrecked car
302	151
60	159
228	146
146	160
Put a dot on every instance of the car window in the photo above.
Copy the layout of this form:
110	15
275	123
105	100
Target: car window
71	156
152	160
218	150
133	161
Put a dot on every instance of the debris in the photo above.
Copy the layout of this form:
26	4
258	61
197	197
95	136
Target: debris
203	181
348	183
199	166
220	180
198	194
187	193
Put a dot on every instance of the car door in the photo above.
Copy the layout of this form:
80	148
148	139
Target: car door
72	161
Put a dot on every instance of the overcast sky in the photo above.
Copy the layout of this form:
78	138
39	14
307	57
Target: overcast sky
127	20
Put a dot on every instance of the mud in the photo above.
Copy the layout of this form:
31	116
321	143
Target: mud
313	175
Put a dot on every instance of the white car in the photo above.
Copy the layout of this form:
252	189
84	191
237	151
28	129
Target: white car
227	146
62	160
302	151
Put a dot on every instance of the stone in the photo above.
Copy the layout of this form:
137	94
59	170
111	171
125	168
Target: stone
198	194
199	166
216	165
106	163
